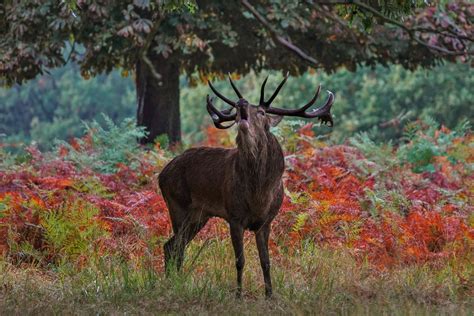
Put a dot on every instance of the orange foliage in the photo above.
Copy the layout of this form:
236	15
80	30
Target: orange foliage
331	206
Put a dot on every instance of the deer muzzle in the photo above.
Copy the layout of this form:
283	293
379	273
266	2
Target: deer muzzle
244	118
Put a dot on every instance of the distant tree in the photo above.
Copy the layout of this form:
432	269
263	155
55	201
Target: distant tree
53	106
206	39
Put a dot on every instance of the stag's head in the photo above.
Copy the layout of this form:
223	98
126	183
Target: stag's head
254	120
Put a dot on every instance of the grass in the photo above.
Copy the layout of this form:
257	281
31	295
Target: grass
307	280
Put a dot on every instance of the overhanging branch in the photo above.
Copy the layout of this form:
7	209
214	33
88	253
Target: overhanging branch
286	42
146	47
410	31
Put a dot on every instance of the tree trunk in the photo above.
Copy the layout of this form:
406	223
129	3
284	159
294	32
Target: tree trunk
158	100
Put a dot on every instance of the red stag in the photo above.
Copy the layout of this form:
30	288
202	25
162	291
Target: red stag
242	185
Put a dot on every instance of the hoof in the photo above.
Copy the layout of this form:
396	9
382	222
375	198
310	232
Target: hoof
268	295
238	294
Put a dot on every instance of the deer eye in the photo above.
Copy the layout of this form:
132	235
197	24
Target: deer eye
261	112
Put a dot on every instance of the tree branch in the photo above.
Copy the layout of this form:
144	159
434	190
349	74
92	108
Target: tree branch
409	31
73	47
146	47
344	24
280	39
449	33
334	2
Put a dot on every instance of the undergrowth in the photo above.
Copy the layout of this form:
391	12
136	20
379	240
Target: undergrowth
364	228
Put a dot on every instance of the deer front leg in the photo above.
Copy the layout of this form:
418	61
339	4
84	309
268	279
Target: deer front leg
261	237
237	235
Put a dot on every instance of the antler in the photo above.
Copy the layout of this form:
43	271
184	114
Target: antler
223	98
267	103
235	88
219	117
323	113
226	100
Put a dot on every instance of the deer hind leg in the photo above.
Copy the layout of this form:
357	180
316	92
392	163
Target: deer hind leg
185	229
261	237
237	235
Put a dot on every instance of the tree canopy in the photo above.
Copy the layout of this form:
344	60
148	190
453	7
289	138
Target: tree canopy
217	37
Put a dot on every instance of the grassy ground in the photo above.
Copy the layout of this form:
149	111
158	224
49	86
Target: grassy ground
310	280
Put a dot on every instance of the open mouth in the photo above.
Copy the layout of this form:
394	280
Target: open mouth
243	122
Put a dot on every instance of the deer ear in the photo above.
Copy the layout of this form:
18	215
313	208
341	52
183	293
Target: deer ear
274	120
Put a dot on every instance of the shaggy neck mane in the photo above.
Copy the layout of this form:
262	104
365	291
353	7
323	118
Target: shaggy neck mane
259	161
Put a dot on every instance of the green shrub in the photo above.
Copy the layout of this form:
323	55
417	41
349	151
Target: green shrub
107	147
425	142
72	232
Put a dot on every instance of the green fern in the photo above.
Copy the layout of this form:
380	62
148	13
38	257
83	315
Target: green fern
285	132
352	230
376	201
432	124
111	144
72	230
462	128
298	198
94	186
300	221
381	155
425	142
410	131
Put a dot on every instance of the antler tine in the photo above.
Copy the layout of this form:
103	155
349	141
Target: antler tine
220	95
217	122
220	126
227	111
219	116
234	87
323	112
310	103
269	101
262	92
